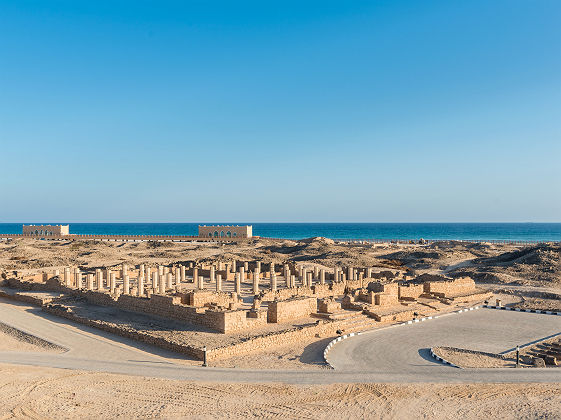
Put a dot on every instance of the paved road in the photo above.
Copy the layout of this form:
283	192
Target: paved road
93	350
405	349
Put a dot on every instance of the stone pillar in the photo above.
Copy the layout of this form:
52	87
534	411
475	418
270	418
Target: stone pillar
258	266
76	272
99	279
233	266
155	280
160	271
310	279
304	277
293	280
201	283
322	276
141	271
369	272
182	274
272	269
273	281
148	277
219	282
361	278
79	284
162	284
67	276
316	272
212	274
195	275
350	273
220	266
335	275
90	281
242	274
57	273
141	285
169	282
238	284
256	282
245	266
126	285
112	282
124	270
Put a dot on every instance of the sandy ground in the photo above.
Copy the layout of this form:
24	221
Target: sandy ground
470	359
535	265
10	343
41	393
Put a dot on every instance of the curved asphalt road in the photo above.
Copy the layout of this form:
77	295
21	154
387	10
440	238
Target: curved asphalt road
397	354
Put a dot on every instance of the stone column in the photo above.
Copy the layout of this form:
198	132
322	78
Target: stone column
272	269
369	272
141	285
182	274
160	271
220	266
76	271
201	283
316	272
169	282
310	279
195	275
147	277
219	282
99	279
292	280
57	273
162	284
67	276
361	278
79	284
322	276
304	277
242	274
258	266
245	266
256	282
90	280
124	270
350	273
273	281
155	281
126	285
233	266
335	275
212	274
112	282
238	285
141	271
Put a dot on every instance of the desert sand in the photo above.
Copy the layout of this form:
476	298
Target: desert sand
44	393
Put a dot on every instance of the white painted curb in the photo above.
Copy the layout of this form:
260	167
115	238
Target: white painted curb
440	359
534	311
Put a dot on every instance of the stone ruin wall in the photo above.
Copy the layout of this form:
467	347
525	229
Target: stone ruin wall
286	310
450	288
410	291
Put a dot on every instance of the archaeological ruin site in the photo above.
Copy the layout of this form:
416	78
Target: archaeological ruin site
216	309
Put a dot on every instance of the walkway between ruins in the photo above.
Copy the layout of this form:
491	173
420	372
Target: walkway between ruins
358	359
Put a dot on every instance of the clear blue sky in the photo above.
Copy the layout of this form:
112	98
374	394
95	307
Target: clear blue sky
380	111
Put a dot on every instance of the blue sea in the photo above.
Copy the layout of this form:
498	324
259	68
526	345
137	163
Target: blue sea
401	231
